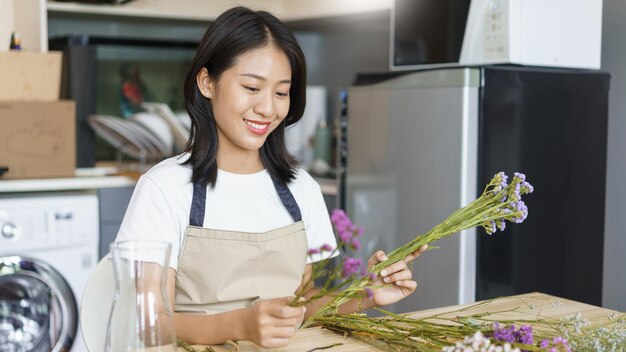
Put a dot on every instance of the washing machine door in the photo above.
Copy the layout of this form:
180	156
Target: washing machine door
38	310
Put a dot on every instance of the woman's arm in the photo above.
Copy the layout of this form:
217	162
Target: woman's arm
268	323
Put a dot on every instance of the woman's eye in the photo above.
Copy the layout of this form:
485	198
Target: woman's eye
252	89
282	95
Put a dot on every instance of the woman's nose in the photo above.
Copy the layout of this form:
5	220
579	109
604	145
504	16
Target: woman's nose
265	105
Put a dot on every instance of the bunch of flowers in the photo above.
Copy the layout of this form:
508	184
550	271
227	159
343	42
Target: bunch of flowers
500	202
582	335
508	339
345	278
335	275
440	332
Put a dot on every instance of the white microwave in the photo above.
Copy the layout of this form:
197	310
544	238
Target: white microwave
555	33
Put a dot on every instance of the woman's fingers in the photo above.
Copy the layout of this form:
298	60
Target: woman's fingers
376	258
380	256
394	268
409	258
279	308
284	331
398	276
411	285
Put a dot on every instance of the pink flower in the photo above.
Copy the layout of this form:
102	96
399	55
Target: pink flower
326	248
355	244
351	266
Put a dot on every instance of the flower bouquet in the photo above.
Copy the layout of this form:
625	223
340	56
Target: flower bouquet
500	202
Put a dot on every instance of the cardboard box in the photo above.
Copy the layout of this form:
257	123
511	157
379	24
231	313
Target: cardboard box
30	76
38	139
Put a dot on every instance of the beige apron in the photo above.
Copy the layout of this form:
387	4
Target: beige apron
219	271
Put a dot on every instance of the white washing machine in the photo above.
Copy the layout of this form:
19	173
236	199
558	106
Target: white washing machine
48	248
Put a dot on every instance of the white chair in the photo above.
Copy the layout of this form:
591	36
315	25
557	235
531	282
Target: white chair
96	305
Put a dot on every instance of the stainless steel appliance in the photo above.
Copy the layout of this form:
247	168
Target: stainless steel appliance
424	144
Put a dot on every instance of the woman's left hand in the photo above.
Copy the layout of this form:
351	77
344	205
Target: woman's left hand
395	281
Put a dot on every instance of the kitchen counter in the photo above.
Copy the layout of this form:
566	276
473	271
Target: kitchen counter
528	306
65	184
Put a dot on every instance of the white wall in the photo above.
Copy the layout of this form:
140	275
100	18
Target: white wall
614	61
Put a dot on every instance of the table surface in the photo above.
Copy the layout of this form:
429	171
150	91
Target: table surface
529	306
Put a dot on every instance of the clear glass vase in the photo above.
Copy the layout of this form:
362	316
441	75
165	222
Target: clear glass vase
141	318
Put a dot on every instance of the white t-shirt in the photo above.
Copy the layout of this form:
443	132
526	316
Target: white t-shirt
161	203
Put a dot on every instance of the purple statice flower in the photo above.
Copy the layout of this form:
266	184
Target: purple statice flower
338	216
341	222
344	227
504	334
502	178
519	176
544	343
369	292
326	248
525	334
344	236
501	224
510	334
526	188
351	266
355	244
521	206
313	251
516	191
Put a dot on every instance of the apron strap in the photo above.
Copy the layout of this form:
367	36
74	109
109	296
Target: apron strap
288	200
198	202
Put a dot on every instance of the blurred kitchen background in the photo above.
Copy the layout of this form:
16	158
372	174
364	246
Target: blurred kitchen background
412	106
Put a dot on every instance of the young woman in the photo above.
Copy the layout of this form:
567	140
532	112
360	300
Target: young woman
239	213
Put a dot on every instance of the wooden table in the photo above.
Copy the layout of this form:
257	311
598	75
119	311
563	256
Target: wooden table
529	306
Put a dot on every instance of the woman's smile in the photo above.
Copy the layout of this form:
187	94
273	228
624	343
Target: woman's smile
257	127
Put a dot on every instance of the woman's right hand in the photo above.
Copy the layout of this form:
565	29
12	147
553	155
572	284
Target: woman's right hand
272	323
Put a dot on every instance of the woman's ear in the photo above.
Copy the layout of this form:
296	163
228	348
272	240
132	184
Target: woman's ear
205	84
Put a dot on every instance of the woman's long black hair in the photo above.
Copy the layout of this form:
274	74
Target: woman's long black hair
234	33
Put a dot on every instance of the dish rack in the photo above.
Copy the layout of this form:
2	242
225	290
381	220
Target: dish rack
139	139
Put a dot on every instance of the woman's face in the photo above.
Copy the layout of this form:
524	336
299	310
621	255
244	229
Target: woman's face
250	99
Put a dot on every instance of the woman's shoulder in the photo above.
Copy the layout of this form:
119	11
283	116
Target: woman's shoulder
304	182
170	171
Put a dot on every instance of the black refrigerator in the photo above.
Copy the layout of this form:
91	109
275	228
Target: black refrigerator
420	145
